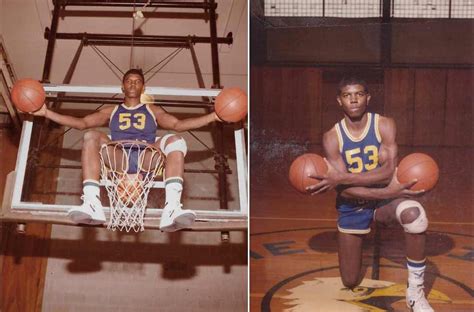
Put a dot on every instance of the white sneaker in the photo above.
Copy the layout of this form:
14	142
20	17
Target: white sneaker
91	212
174	218
416	300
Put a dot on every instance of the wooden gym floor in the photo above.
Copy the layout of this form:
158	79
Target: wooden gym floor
293	259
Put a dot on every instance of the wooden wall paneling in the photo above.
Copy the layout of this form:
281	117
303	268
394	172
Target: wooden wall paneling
399	102
459	100
434	41
326	44
331	111
257	40
376	103
256	98
300	107
452	199
289	104
272	93
8	150
313	99
430	101
264	104
23	275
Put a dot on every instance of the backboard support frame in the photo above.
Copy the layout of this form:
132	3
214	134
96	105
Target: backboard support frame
16	210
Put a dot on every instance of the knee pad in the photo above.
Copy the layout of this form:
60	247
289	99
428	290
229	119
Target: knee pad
178	145
420	224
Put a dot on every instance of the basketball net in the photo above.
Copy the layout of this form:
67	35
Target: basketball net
128	169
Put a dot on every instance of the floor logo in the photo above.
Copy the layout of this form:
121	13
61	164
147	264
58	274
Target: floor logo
312	293
301	272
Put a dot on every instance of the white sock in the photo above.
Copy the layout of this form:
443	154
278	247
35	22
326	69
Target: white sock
173	189
416	272
91	189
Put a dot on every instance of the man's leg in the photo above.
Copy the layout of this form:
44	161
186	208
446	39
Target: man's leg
353	223
412	217
91	211
173	217
350	258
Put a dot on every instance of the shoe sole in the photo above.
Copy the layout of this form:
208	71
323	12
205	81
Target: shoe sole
169	228
183	221
83	218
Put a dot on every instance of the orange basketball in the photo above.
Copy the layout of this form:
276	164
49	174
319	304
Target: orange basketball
28	95
418	166
130	189
231	105
304	165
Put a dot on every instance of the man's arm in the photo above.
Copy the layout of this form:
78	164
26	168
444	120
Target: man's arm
96	119
388	157
169	122
394	189
337	172
336	167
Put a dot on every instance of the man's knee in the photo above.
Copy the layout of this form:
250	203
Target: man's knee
350	282
92	135
173	143
412	216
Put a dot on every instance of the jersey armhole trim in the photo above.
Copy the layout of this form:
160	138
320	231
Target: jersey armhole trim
151	113
339	138
376	126
113	113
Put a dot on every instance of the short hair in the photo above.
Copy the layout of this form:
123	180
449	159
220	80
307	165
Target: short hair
352	80
135	71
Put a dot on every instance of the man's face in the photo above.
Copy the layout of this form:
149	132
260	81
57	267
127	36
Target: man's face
354	100
133	86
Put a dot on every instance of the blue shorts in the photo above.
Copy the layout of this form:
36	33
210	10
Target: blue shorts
134	152
133	160
355	216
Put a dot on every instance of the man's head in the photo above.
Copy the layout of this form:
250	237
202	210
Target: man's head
352	80
134	71
133	84
353	97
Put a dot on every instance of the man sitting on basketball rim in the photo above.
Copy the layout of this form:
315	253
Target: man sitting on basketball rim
362	156
132	120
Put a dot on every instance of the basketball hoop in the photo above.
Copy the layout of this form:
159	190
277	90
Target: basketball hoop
128	169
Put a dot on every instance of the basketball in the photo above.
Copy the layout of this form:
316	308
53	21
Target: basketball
231	105
130	189
304	165
418	166
28	95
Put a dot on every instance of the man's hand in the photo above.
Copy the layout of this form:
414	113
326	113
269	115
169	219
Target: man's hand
216	118
330	180
397	189
40	112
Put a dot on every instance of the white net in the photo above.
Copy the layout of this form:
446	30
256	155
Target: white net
129	169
